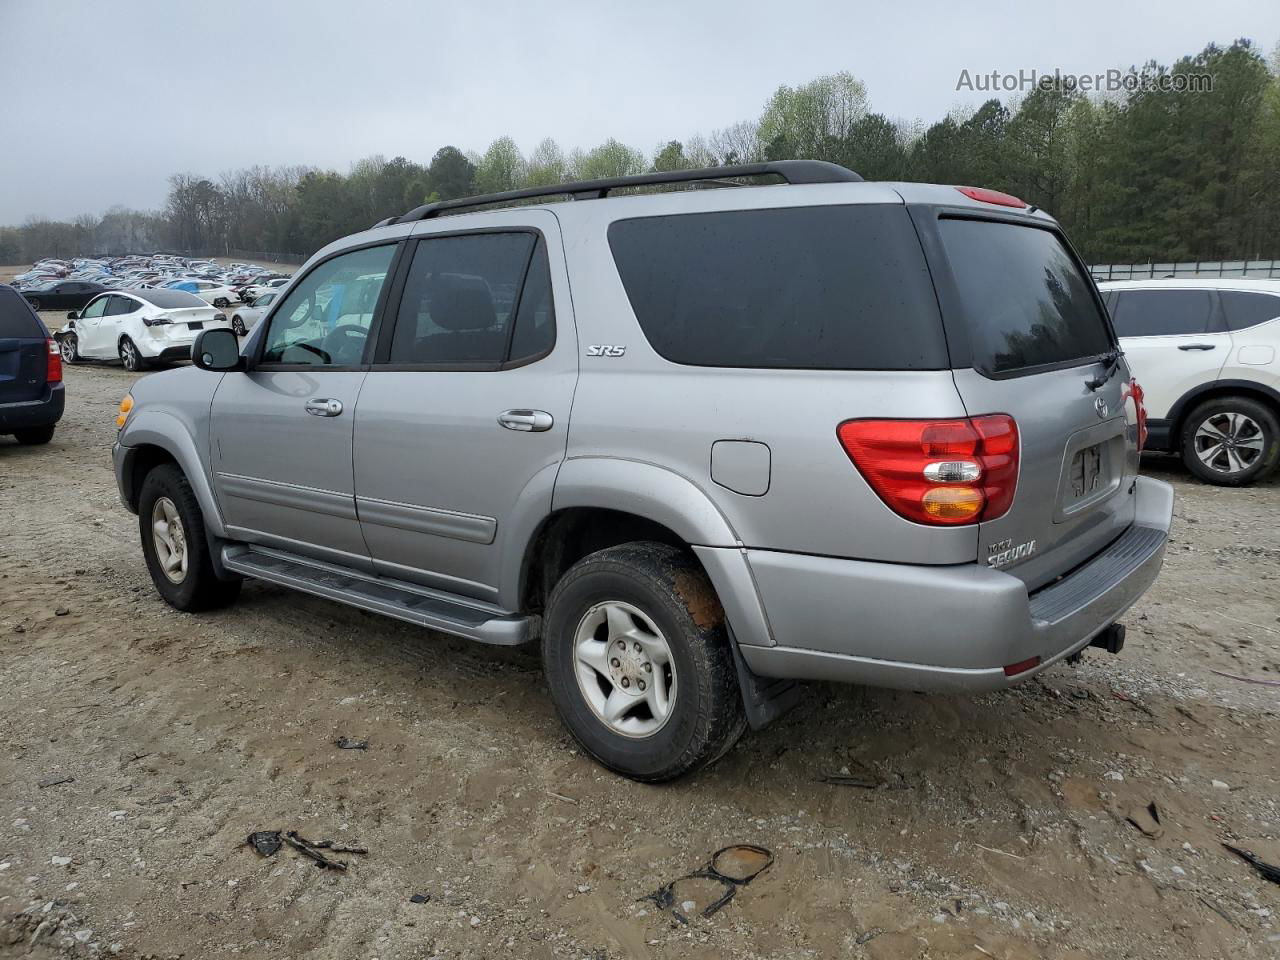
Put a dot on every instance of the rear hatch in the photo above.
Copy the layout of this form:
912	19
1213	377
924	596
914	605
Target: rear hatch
184	323
1028	337
24	350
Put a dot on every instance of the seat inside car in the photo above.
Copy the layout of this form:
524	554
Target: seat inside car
457	322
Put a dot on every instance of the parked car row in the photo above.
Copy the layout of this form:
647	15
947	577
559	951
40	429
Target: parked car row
59	284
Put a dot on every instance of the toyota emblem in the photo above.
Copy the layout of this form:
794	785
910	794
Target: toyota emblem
1101	406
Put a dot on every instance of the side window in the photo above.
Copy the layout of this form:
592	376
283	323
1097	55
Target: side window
119	306
1161	313
324	321
1246	310
95	309
466	301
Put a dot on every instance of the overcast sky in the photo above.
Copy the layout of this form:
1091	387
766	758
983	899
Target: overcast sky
103	100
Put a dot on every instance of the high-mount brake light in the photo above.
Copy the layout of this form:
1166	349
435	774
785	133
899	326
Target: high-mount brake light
938	472
983	195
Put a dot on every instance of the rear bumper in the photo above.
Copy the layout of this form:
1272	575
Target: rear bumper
169	353
31	414
947	628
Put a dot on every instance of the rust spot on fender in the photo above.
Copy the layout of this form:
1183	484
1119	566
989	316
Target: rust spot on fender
699	599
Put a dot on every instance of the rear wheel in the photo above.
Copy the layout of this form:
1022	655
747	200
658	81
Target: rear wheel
130	357
638	662
176	546
34	437
1231	441
35	303
237	326
222	302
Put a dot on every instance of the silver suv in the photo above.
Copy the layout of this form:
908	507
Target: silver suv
702	440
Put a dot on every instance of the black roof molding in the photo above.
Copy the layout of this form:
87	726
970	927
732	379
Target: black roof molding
791	171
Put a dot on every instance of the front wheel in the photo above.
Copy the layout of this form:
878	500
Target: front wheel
35	304
1231	441
130	357
176	546
638	662
69	347
222	303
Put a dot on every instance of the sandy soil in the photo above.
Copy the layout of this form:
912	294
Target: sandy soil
139	746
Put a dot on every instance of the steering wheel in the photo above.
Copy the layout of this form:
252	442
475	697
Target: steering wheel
345	343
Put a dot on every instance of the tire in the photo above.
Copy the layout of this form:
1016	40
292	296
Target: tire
193	585
664	592
34	437
69	347
1252	441
130	357
222	303
35	304
238	327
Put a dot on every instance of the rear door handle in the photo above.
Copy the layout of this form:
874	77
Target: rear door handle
526	421
324	407
1196	346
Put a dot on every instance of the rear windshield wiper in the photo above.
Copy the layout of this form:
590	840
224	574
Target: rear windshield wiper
1112	360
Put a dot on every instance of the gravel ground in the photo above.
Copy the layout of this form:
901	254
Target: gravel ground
139	746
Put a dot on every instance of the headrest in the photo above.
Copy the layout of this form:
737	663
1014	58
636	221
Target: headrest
458	302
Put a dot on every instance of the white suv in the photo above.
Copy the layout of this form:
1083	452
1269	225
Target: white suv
1207	353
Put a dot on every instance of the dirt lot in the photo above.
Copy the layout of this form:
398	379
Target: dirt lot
139	746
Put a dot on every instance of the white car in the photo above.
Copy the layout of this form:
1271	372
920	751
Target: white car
1206	353
247	316
255	290
137	327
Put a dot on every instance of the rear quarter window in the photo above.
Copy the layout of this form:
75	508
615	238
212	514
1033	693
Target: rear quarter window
1026	302
815	288
17	320
1244	310
1162	313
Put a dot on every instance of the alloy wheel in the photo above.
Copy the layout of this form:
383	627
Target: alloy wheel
624	669
170	539
67	347
1229	443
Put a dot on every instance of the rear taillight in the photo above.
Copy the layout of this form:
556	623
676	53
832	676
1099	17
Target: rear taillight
939	472
984	195
1133	390
53	373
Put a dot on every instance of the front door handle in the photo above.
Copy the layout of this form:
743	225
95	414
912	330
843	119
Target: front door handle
526	421
1196	346
324	407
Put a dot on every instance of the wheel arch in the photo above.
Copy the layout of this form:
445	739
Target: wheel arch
153	437
1211	391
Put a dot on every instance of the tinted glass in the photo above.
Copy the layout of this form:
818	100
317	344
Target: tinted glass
171	298
1246	310
1161	313
16	317
843	288
325	319
459	298
535	332
1026	303
118	306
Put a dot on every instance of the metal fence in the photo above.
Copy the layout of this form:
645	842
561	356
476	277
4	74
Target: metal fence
1253	269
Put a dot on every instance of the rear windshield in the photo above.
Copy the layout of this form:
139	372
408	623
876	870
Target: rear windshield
1026	302
817	288
16	318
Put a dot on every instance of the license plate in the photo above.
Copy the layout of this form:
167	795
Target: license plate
1085	475
198	325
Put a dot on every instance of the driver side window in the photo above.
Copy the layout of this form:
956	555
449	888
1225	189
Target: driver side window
325	319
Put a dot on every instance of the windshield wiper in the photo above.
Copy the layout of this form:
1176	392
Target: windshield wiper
1112	360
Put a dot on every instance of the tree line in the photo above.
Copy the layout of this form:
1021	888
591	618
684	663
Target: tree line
1148	173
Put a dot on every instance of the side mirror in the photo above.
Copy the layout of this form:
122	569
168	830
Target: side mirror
217	350
73	315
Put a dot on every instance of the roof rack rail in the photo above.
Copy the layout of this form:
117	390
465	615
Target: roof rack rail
792	171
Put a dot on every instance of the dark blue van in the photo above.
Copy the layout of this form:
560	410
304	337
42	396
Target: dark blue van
31	394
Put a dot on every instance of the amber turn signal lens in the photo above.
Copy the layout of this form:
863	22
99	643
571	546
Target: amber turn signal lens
125	406
953	503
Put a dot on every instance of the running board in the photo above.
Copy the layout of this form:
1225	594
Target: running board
393	598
